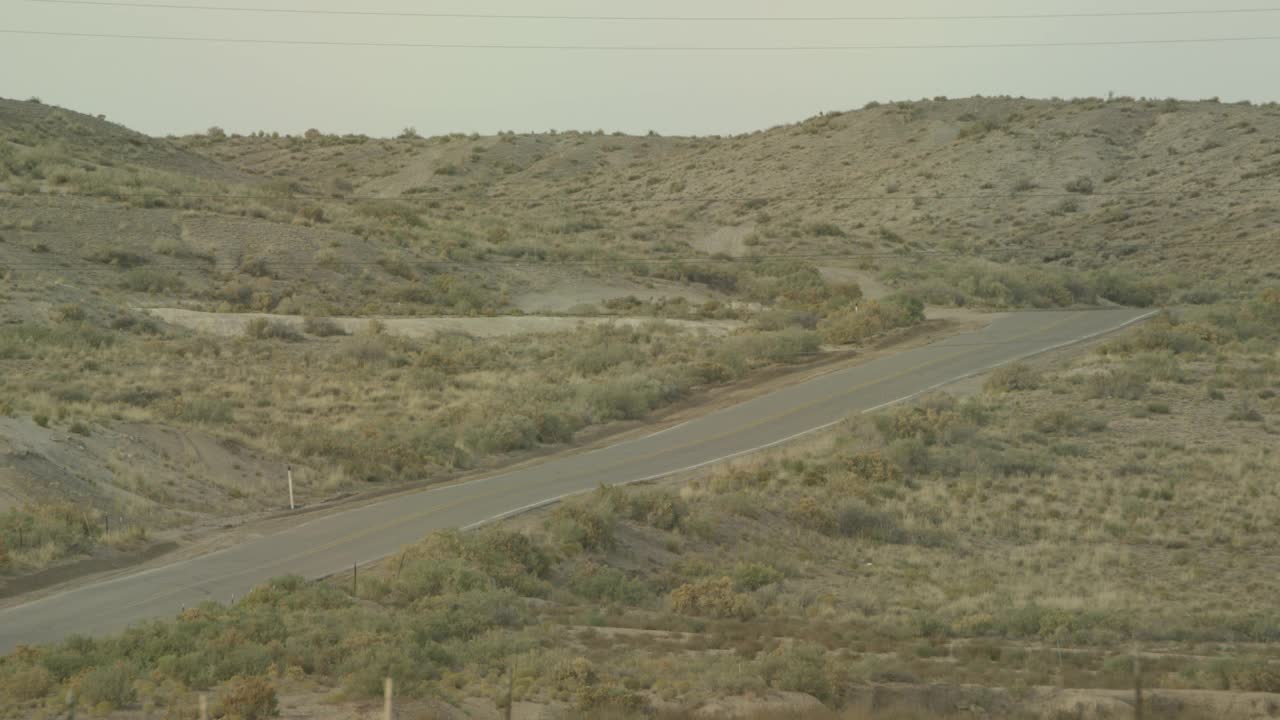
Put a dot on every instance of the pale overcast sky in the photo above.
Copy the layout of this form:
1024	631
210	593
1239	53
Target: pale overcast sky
164	87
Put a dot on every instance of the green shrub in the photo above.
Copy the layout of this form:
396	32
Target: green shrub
596	358
753	576
873	467
872	318
775	320
589	527
1065	422
713	597
206	411
1014	377
152	280
1123	384
255	267
602	700
826	229
117	257
629	397
265	329
110	685
659	508
68	313
499	433
322	327
798	667
1082	185
855	520
910	454
1244	411
602	584
25	684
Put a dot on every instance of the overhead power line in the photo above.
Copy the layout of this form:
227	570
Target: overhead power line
670	18
645	48
692	260
687	199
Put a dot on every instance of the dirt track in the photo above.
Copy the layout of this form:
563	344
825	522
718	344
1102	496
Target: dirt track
231	324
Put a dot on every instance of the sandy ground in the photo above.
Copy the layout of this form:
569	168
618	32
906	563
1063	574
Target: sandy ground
731	241
872	289
567	295
232	324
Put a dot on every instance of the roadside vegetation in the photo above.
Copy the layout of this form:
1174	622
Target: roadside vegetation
373	407
1040	531
1037	533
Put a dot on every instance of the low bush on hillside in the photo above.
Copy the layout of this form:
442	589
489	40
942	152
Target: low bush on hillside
713	597
945	528
870	319
154	280
1013	377
248	698
266	329
36	536
322	327
972	283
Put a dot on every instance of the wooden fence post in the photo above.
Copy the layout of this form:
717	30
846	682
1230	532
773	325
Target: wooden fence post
511	689
1139	712
387	710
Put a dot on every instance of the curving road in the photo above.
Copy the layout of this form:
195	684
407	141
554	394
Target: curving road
334	542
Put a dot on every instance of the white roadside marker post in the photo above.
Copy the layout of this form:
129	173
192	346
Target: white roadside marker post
289	470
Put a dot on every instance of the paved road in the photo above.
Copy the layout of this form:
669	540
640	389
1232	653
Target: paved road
332	543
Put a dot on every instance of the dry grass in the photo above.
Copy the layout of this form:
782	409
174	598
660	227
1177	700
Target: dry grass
948	544
1032	536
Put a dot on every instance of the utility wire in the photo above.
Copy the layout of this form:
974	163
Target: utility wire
646	48
671	18
530	200
1040	251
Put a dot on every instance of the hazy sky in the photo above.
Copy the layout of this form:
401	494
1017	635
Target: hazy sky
177	87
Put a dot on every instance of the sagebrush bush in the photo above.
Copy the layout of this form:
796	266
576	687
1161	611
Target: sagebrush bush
265	329
109	685
248	698
600	700
871	318
590	527
322	327
753	576
26	684
1014	377
205	411
1119	384
152	280
873	466
799	667
713	597
68	313
603	584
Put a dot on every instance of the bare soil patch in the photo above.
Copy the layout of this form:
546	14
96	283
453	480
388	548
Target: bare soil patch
233	324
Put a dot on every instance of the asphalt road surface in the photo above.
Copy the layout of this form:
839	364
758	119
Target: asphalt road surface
332	543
